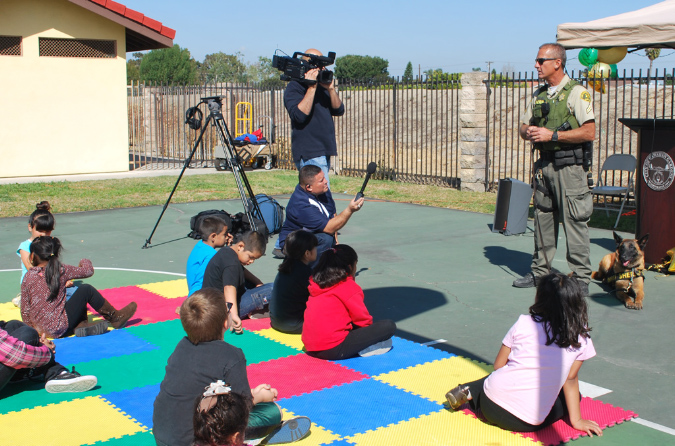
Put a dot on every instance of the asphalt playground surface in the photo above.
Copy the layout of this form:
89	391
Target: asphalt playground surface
441	274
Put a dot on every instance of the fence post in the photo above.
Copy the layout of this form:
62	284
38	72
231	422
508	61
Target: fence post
472	131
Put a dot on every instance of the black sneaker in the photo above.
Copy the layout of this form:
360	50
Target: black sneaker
91	329
457	396
70	382
529	280
278	253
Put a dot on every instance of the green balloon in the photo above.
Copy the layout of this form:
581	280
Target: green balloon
588	56
613	71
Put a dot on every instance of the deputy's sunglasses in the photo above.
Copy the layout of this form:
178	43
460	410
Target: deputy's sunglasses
541	60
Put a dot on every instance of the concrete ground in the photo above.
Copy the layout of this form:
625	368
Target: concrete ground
441	274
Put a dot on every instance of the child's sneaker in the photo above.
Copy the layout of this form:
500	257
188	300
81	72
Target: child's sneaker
91	328
457	396
70	382
17	301
290	430
376	349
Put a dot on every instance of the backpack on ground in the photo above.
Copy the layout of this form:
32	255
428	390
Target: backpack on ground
241	224
196	221
272	212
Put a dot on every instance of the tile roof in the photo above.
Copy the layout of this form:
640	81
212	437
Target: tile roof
142	32
137	17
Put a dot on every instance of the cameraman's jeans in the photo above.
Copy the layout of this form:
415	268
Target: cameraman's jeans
322	161
255	299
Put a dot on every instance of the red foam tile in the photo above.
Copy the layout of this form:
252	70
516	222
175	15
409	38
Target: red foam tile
115	7
152	24
168	32
151	307
561	431
298	374
256	324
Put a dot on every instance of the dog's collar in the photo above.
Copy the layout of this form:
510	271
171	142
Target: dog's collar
631	274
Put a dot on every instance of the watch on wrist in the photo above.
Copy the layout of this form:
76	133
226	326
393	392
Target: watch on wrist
554	137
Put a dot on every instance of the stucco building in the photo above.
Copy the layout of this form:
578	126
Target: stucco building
63	96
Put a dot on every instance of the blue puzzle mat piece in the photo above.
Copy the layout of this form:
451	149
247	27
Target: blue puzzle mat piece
108	345
359	406
403	354
137	402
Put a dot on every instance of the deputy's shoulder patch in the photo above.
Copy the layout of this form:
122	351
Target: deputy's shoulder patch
585	96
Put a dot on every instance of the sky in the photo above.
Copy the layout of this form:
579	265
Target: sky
455	36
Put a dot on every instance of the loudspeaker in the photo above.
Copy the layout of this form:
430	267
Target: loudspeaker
513	203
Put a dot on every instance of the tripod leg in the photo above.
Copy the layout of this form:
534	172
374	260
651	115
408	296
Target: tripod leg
185	166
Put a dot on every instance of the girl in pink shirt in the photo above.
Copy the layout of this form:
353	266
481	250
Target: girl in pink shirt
535	380
337	323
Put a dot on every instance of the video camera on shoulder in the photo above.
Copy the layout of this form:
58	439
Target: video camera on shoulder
294	68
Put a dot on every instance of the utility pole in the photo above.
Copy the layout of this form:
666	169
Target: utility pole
489	63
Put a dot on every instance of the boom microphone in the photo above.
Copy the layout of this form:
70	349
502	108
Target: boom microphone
372	167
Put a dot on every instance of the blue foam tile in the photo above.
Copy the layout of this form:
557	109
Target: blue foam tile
74	350
403	354
339	443
137	402
359	406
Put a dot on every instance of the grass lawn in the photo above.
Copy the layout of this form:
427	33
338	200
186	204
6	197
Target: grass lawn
19	199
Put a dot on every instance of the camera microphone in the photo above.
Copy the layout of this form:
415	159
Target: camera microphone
369	171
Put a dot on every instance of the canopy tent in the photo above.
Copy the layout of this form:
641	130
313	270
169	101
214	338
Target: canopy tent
650	27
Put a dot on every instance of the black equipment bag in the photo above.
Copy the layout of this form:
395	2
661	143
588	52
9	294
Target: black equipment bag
196	221
241	224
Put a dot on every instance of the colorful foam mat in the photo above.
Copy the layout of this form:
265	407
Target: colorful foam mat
393	399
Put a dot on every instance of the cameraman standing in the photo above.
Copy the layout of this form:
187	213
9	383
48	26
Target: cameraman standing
311	107
559	120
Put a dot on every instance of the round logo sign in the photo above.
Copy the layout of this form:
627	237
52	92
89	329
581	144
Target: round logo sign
658	171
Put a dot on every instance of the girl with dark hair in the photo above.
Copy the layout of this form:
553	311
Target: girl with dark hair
337	322
44	305
40	222
220	416
535	382
290	293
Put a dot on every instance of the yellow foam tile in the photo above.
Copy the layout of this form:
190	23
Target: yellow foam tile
170	289
289	340
81	421
9	312
433	379
317	435
442	428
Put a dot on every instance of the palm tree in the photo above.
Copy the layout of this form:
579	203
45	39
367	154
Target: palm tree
652	53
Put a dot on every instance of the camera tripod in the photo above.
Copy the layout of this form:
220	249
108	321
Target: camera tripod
193	118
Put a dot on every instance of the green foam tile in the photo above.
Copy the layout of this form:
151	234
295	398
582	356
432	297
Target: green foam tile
26	395
139	439
162	334
258	348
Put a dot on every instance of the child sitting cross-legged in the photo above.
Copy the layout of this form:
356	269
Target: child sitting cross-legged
203	357
214	234
227	272
290	292
337	323
535	382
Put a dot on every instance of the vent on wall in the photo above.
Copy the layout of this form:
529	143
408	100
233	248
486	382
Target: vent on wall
10	45
98	49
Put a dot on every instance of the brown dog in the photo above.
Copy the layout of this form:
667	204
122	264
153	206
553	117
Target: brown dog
623	269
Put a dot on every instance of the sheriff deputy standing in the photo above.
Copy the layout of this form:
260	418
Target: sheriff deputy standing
558	120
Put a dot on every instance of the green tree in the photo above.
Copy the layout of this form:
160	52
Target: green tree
263	72
134	68
169	66
221	67
408	73
362	68
652	53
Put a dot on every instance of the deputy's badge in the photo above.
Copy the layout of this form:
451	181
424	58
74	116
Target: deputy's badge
585	96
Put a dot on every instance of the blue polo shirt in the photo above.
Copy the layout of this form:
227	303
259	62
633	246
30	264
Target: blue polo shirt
307	211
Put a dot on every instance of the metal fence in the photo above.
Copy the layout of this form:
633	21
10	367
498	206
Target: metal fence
411	129
632	95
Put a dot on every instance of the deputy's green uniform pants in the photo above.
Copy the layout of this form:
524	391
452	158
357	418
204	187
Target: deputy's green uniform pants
573	207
